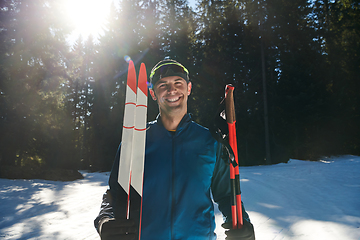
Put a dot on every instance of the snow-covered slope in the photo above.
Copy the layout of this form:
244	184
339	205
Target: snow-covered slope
300	200
304	200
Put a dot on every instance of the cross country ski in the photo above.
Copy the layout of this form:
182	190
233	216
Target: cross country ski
131	167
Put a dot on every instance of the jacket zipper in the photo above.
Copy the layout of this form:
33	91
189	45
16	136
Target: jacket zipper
172	186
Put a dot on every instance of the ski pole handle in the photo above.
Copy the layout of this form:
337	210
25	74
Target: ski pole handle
229	104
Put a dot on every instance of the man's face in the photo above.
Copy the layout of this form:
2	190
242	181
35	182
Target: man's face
171	93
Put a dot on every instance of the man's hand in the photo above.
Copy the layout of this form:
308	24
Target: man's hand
124	229
244	233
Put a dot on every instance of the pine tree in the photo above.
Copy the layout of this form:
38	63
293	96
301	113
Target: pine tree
34	63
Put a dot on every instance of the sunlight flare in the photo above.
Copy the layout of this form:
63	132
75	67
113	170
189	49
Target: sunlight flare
87	16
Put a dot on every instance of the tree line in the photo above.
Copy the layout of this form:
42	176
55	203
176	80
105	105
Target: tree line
295	67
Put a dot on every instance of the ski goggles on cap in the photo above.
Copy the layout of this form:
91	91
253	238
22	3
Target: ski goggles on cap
168	68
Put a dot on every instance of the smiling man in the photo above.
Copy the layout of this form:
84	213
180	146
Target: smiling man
183	168
171	88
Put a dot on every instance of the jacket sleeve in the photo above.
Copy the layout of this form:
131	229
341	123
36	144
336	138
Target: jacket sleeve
107	206
221	187
106	211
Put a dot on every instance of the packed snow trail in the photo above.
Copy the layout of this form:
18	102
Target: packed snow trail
300	200
39	209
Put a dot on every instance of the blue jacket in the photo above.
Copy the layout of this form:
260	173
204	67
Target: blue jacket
182	170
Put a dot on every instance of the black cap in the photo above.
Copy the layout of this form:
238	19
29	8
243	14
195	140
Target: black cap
167	68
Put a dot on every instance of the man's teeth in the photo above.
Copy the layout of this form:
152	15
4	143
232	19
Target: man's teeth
172	99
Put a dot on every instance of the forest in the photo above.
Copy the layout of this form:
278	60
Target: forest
295	66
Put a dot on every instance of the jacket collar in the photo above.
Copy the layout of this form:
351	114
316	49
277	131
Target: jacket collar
182	125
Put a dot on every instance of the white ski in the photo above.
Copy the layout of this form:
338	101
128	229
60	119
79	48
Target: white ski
132	155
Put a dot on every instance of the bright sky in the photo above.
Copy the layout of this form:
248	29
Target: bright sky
192	3
88	16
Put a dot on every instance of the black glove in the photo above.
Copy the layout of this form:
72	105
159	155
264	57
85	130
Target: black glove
244	233
124	229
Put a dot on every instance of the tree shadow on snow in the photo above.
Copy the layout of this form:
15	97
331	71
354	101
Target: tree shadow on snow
23	207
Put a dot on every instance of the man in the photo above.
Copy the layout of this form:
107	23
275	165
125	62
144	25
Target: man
182	166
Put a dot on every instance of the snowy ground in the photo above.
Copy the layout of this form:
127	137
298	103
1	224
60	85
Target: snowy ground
300	200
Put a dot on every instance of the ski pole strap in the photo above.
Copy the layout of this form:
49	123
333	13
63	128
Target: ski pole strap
219	131
227	146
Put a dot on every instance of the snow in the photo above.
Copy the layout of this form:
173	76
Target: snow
299	200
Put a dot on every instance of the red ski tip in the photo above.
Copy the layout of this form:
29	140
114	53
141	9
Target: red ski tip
131	82
143	79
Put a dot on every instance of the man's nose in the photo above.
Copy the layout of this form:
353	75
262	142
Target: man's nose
171	88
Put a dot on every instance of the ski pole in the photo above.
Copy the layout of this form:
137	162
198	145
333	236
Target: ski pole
236	208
